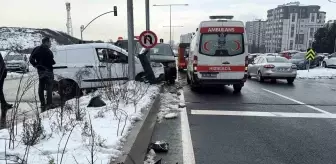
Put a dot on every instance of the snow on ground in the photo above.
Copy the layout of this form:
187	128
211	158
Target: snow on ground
110	125
23	37
169	106
15	75
317	73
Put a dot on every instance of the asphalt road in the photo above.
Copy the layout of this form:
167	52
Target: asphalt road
267	123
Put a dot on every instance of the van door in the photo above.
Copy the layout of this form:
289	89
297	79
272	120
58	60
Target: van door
222	52
80	66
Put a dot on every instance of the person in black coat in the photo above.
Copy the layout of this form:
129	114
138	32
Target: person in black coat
3	75
42	59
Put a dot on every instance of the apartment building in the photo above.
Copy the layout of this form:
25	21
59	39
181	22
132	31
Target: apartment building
255	31
292	26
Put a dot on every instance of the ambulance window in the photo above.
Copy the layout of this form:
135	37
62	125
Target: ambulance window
222	44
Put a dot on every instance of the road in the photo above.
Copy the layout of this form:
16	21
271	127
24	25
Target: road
26	87
267	123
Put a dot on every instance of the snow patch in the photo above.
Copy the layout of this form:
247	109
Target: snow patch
169	106
110	126
317	73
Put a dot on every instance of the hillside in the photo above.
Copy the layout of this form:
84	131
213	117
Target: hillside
24	39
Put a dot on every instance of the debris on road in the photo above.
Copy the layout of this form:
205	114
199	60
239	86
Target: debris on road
169	104
170	115
159	146
182	105
96	102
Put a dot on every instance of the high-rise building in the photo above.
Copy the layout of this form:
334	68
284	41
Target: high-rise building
292	26
255	31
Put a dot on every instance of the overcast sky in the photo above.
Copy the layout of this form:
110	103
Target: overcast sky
52	14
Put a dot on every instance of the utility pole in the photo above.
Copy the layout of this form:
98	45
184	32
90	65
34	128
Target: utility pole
147	15
170	20
130	23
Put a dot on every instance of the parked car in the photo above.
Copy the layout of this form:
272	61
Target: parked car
272	67
299	59
17	63
163	53
87	66
288	54
330	61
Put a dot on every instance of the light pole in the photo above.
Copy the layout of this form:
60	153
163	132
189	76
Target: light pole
82	28
170	5
173	29
335	37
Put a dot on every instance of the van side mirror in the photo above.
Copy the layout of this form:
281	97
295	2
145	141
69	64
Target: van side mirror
329	56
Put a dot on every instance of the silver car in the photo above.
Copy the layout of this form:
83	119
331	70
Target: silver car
272	67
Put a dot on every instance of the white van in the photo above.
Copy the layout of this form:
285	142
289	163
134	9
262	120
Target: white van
87	66
218	54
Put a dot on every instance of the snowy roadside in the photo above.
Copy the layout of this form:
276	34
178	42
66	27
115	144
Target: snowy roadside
81	134
317	73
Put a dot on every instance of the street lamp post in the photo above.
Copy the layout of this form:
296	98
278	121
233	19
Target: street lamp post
335	37
82	28
170	5
173	29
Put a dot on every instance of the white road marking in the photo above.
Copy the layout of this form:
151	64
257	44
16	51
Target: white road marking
262	114
299	102
188	150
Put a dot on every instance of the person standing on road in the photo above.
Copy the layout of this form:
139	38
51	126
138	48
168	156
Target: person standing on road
3	74
42	59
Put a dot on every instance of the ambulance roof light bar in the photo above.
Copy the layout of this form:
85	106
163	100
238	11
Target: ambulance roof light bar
221	17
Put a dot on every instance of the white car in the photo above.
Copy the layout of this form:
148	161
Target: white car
86	66
329	61
17	62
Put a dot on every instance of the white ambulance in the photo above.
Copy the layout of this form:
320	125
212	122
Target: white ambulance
218	54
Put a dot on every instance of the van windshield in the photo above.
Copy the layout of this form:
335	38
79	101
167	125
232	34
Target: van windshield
221	44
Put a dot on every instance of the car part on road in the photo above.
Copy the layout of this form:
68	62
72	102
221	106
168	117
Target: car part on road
96	102
159	147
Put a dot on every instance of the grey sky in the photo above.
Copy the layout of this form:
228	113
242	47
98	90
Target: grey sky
52	14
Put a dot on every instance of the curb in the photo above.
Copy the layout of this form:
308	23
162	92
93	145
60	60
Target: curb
136	145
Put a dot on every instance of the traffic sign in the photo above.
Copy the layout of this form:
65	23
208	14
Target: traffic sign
310	54
148	39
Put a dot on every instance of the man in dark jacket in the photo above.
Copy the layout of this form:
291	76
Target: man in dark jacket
3	75
42	59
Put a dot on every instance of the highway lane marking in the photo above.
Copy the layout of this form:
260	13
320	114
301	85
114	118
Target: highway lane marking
299	102
188	150
262	114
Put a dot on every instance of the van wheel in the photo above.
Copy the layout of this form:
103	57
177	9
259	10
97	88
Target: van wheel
248	75
259	77
68	89
172	81
140	77
290	80
324	64
188	80
237	87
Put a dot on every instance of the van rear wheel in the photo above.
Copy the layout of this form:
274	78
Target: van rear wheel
237	88
68	89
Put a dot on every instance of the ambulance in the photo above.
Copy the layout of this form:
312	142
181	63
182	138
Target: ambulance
218	54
